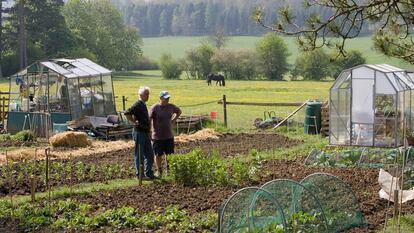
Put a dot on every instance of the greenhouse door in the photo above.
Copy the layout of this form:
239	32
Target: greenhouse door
362	111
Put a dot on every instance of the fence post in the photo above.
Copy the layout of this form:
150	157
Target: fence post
225	110
123	103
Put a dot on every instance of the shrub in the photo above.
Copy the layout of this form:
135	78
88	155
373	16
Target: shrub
235	64
313	65
144	63
170	68
195	169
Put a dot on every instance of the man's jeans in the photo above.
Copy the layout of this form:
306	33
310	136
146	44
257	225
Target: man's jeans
143	146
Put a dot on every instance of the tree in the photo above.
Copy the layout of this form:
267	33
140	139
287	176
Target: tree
218	39
273	53
394	21
100	29
33	30
199	61
313	65
170	68
2	17
353	58
46	27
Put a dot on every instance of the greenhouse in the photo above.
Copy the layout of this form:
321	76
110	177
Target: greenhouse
371	105
59	90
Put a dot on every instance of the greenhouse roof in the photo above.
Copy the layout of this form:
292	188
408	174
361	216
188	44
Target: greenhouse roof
399	79
385	68
69	68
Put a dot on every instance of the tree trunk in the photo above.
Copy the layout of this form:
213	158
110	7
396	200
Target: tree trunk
22	36
1	36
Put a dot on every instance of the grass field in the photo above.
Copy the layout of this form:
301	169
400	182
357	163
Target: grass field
190	92
176	46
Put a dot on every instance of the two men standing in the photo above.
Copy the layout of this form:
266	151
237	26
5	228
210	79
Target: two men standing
161	119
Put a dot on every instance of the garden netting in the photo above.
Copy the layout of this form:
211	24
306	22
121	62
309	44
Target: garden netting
396	160
362	157
283	205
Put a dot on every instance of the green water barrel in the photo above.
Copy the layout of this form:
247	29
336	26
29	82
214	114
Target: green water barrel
313	117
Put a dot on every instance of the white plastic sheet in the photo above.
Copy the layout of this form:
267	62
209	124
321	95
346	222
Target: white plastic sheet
388	184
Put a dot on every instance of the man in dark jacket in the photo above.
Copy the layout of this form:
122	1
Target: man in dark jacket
138	115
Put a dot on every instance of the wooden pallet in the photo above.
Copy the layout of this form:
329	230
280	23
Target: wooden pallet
4	109
325	119
185	122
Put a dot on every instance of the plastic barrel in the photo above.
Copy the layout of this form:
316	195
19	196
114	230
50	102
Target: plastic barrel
313	117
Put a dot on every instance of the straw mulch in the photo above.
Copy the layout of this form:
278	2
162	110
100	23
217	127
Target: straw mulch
70	139
204	134
94	147
38	153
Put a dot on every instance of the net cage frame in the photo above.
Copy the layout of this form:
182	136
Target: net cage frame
349	192
294	203
256	191
371	105
304	186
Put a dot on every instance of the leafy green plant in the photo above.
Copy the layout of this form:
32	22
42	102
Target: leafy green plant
24	135
5	137
195	169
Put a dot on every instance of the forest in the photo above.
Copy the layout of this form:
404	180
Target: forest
201	17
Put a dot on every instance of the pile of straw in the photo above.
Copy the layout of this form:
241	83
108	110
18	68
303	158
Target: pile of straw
70	139
200	135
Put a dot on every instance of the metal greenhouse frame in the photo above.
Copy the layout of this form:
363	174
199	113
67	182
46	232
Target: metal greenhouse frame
371	105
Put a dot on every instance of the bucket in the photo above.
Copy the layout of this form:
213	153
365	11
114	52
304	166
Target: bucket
213	115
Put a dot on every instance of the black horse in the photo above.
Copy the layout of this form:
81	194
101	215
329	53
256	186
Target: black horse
216	77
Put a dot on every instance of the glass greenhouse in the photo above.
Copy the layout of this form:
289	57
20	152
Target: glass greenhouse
372	105
67	89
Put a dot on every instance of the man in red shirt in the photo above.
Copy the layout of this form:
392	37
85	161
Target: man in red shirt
163	116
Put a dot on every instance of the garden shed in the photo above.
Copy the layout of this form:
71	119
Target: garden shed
372	105
59	90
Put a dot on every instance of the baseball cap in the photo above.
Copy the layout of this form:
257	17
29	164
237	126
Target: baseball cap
164	94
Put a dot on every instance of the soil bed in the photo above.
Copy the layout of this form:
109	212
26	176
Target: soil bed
232	144
226	145
195	199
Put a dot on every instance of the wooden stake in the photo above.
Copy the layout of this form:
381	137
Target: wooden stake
396	203
33	188
290	115
71	178
47	173
9	171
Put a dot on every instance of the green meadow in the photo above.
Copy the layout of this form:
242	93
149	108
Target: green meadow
187	93
154	47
